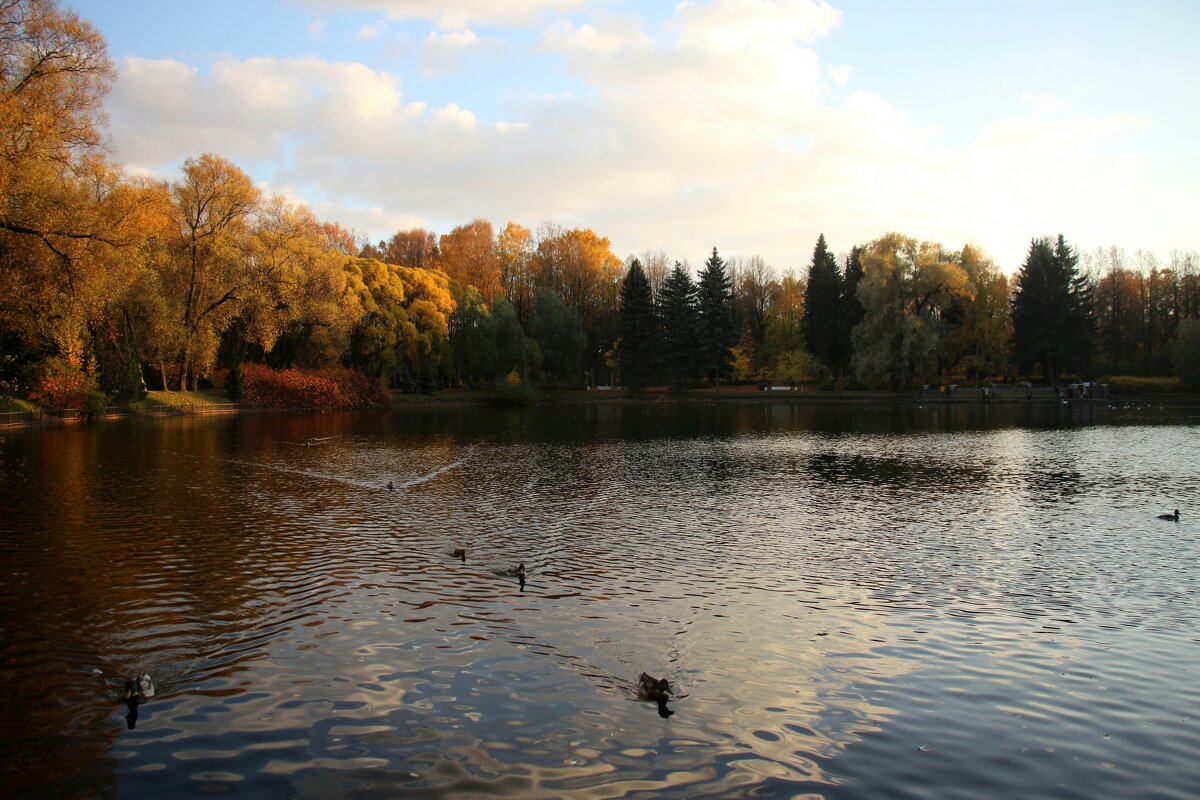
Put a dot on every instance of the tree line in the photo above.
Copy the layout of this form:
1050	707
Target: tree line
119	282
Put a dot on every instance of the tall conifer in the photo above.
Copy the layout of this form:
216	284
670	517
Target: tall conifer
639	330
822	297
1053	322
679	315
716	328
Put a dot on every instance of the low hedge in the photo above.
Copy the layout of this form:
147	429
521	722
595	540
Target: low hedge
321	390
1132	384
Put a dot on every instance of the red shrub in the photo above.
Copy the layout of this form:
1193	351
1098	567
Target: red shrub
321	389
59	385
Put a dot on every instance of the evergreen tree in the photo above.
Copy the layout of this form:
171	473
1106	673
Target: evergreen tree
679	315
558	331
429	383
822	298
717	334
639	329
850	309
408	384
1053	321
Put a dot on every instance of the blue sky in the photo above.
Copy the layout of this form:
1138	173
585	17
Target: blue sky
751	125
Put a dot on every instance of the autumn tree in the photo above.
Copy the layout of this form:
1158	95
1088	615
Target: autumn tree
715	319
301	310
752	299
415	247
978	332
63	208
906	286
469	257
783	339
1052	316
209	266
514	252
579	266
638	347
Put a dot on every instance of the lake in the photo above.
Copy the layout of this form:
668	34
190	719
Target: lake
850	601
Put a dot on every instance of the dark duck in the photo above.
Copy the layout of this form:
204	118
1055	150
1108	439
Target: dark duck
657	690
1174	517
137	690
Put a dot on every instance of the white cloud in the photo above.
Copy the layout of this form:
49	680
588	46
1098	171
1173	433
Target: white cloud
368	32
1043	103
722	128
316	28
456	15
443	51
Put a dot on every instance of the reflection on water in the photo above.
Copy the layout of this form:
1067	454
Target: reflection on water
849	601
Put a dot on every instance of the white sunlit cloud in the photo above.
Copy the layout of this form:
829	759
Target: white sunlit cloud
452	16
679	142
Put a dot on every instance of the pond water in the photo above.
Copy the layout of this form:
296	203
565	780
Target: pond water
850	602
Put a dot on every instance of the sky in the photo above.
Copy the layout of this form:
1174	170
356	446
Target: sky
752	126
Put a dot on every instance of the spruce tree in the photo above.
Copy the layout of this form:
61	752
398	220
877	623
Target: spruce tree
679	315
639	329
850	310
716	329
1053	321
822	297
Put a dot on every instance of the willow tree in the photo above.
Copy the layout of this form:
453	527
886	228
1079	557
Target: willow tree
209	267
905	288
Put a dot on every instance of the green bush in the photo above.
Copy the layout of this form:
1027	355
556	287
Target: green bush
512	391
95	406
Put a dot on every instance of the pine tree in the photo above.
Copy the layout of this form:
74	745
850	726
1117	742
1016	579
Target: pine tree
1053	321
822	298
639	329
716	329
850	310
679	315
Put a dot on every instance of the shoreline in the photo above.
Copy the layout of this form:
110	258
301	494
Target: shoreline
479	398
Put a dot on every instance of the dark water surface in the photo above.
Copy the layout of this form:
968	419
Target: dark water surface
852	602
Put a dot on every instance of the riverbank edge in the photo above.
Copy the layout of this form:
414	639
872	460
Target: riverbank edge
459	397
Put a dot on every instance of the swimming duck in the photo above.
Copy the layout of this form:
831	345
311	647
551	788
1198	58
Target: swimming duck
138	688
460	554
655	689
1174	517
391	487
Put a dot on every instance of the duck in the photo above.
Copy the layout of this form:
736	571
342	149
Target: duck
138	688
655	689
391	487
460	554
1173	517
